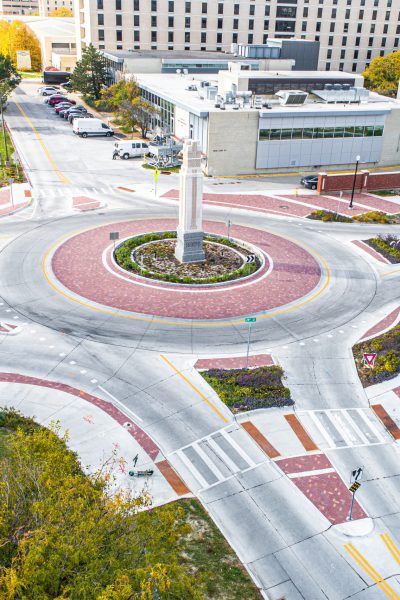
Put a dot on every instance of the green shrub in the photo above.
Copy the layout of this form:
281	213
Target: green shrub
326	215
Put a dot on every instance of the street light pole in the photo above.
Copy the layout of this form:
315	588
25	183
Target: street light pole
354	182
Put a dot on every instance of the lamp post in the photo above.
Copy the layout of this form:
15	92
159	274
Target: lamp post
354	181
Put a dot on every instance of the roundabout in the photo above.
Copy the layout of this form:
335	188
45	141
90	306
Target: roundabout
84	265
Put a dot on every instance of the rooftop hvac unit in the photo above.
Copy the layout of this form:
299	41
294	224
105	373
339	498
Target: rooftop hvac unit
292	97
328	86
346	87
351	94
337	87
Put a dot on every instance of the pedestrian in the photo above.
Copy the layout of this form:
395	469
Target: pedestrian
115	154
135	459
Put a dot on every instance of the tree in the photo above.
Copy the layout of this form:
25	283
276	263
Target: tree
9	78
383	74
90	73
129	108
64	534
18	36
62	11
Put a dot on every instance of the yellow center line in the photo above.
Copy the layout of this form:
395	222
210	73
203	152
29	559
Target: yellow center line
202	396
188	323
369	569
391	546
390	273
63	178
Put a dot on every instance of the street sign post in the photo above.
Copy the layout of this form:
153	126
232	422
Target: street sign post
228	224
355	485
250	258
356	475
114	235
250	321
369	359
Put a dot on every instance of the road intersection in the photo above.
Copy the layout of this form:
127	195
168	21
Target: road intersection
278	512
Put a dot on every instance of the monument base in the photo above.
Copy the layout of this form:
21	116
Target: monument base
189	246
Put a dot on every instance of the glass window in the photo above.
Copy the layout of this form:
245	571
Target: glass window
358	131
308	133
329	132
368	130
275	134
286	134
378	130
339	132
318	132
297	134
264	134
349	132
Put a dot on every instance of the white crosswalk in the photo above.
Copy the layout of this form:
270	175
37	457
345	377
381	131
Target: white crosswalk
71	191
343	428
216	458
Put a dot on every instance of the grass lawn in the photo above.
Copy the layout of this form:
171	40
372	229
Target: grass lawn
249	389
12	171
168	169
10	146
30	74
208	555
387	362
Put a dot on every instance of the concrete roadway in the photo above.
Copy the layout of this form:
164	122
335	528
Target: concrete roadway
288	546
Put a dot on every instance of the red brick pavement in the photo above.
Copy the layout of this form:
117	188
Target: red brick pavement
301	433
234	362
374	202
370	251
326	491
10	209
259	202
323	202
295	274
83	203
385	323
260	439
386	420
140	436
7	327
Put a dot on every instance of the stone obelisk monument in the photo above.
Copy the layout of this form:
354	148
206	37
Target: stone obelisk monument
189	246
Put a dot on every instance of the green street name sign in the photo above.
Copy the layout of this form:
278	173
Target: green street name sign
250	320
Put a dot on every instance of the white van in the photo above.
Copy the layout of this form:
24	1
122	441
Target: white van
85	127
131	148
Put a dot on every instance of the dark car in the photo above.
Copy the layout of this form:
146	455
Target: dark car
310	181
79	115
67	86
74	109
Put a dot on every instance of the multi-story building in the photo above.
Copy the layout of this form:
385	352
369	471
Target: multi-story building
48	6
350	32
18	7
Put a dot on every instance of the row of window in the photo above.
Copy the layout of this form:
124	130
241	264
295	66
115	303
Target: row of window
287	12
311	133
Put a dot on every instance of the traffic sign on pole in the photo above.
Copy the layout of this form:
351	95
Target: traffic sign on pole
354	487
250	319
156	174
250	258
369	359
356	474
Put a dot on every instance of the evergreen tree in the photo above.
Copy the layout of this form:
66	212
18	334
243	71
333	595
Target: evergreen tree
9	77
90	73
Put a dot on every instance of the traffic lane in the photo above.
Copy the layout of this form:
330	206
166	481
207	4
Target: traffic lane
380	482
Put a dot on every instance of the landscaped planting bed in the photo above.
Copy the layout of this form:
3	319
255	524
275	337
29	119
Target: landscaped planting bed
151	255
388	246
373	216
249	389
387	362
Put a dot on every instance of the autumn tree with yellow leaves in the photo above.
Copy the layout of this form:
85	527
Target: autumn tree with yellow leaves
18	36
62	11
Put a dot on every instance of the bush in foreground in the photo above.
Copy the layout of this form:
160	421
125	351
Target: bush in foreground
249	389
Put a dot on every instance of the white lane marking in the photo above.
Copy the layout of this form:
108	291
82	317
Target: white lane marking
337	421
322	429
355	427
223	456
203	439
93	381
125	408
310	473
212	466
238	449
62	354
371	425
188	463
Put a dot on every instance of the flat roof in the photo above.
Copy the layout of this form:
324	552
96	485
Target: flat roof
177	55
172	87
296	74
55	27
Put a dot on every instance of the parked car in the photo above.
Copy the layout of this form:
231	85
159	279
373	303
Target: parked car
79	115
82	110
130	149
309	181
67	86
48	90
61	106
56	99
85	127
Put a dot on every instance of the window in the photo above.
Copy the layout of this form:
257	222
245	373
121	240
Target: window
188	7
357	41
361	14
319	13
171	7
330	40
187	22
170	21
332	27
372	29
371	41
385	28
136	5
333	14
235	24
220	8
204	8
266	26
99	4
119	35
219	38
344	40
251	24
220	23
355	56
203	37
369	53
267	10
100	19
100	34
387	15
118	20
154	36
154	5
383	42
327	66
347	14
286	12
341	66
318	26
304	26
136	21
250	38
283	26
204	23
136	36
236	9
359	27
117	4
329	53
153	21
234	38
374	13
170	36
346	28
187	37
342	54
252	9
354	67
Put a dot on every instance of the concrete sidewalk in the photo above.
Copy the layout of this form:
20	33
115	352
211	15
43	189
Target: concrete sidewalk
15	197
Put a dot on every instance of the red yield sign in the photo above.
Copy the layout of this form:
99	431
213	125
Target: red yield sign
369	359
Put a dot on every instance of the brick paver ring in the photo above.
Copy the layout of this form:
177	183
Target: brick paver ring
83	265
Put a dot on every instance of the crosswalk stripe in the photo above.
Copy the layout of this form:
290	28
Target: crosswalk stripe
222	454
371	425
355	427
321	429
238	449
335	418
212	466
185	459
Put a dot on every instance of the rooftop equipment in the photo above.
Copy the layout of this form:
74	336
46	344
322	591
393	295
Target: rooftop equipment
292	97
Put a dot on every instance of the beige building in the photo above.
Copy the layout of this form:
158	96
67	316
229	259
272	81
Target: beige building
351	33
48	6
56	37
18	7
